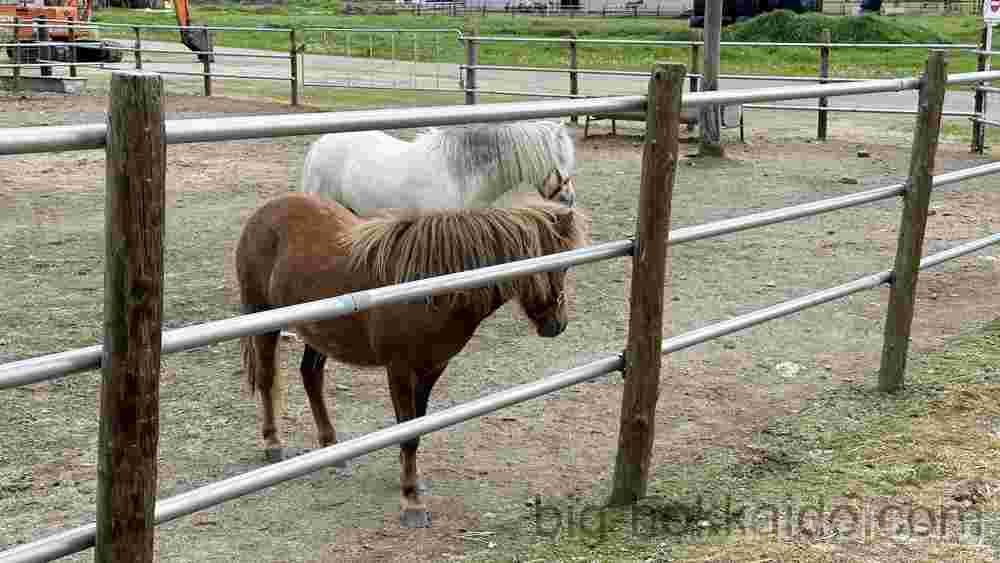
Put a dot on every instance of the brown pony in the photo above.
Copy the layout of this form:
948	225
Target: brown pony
299	248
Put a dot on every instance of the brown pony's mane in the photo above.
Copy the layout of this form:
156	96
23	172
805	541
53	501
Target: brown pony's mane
407	245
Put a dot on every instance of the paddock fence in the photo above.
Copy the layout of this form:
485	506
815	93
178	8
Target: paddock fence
663	105
449	60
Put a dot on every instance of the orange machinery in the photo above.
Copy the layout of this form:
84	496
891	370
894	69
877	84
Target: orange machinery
90	49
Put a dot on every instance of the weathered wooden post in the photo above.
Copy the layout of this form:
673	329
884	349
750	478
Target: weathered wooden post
206	65
471	60
294	63
695	64
138	48
44	52
978	128
73	55
824	72
133	310
574	81
643	358
17	57
709	116
909	246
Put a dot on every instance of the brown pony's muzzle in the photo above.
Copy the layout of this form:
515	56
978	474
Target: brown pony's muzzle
551	328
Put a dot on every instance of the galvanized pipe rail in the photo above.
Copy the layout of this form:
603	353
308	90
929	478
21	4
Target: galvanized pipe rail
78	539
855	110
34	370
74	137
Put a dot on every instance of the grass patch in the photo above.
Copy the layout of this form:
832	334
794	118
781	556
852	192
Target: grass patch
912	466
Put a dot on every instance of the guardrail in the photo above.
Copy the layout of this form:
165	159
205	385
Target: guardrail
663	108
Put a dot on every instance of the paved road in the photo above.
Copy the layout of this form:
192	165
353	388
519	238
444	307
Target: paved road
402	74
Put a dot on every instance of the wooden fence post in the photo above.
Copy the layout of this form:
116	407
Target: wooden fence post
73	55
643	356
16	80
695	65
909	247
693	68
133	310
206	66
294	70
44	52
978	129
138	48
471	58
574	81
824	73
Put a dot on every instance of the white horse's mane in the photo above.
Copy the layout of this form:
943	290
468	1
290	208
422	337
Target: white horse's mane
500	155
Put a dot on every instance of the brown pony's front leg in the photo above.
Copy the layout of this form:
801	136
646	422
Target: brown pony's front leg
410	392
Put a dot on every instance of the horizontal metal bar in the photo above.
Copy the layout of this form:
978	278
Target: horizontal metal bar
968	77
854	110
35	44
22	140
78	539
727	226
41	368
381	30
215	53
48	139
212	74
986	122
786	308
959	251
360	83
557	70
741	322
526	94
947	46
98	25
44	65
990	89
778	93
829	80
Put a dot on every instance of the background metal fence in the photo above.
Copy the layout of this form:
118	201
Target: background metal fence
663	137
448	60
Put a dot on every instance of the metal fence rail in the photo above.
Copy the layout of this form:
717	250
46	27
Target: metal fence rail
75	137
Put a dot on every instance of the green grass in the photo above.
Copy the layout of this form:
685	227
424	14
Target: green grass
851	448
778	26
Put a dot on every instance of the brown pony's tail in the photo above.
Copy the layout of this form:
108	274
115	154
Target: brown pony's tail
248	355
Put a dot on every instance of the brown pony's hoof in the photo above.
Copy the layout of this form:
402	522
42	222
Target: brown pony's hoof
415	518
274	455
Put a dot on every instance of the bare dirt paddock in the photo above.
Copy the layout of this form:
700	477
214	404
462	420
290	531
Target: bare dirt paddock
485	474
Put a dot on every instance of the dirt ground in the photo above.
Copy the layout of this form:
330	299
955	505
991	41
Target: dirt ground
485	474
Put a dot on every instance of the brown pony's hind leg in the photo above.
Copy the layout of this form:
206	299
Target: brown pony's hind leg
260	357
410	392
311	367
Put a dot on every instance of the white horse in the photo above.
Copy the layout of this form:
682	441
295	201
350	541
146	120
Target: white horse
453	167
